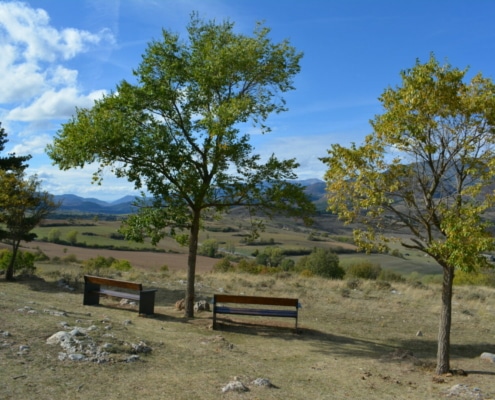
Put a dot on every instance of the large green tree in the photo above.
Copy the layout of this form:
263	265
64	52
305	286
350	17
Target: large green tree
426	171
179	132
22	207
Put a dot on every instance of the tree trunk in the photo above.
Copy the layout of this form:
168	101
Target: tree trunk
191	265
443	354
9	274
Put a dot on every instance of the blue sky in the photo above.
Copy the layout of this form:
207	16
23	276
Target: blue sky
58	55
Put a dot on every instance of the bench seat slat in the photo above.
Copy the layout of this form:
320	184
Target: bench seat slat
123	295
223	304
260	312
272	301
112	282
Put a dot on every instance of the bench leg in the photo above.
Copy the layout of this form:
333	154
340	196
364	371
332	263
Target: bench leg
214	325
91	295
147	302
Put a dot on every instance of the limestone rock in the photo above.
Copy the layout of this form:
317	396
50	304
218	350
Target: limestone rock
488	357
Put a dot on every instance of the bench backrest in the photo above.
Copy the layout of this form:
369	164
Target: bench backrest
271	301
98	280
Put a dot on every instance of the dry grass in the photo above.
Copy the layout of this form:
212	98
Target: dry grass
354	343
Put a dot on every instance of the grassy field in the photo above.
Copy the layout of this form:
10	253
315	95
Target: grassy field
359	343
230	232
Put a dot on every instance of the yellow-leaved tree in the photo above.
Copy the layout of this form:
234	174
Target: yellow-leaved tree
428	170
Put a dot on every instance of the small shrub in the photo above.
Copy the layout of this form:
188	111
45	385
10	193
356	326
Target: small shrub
396	253
382	285
24	261
70	258
54	235
121	265
353	284
224	265
364	270
97	265
40	256
209	248
322	262
390	276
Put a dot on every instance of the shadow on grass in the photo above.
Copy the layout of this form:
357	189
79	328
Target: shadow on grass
419	351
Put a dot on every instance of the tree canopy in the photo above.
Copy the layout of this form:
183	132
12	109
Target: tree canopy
179	132
427	170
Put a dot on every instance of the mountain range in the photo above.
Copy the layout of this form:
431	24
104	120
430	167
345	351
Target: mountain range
315	188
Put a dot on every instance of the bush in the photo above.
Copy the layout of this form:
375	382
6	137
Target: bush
121	265
97	265
390	276
482	277
72	237
70	258
224	265
40	256
271	257
209	248
322	262
24	261
54	235
364	270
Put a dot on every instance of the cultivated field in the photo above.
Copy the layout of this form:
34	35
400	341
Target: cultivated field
372	341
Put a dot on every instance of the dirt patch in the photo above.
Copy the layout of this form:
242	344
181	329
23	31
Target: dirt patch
139	259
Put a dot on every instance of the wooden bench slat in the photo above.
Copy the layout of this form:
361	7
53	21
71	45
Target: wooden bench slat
258	300
98	280
260	312
272	301
123	295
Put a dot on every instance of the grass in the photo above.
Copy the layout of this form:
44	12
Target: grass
354	343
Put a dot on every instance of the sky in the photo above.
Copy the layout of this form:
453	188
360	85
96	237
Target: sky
58	55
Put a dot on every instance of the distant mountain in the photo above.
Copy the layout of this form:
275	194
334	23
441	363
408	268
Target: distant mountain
315	188
71	202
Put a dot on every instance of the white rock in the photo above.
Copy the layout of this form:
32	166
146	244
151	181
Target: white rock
488	357
77	332
59	337
76	357
235	386
262	382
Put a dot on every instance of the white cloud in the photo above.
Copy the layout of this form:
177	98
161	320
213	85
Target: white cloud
36	40
54	105
33	145
34	80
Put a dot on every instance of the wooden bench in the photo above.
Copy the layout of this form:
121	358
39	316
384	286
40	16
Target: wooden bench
219	307
93	290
